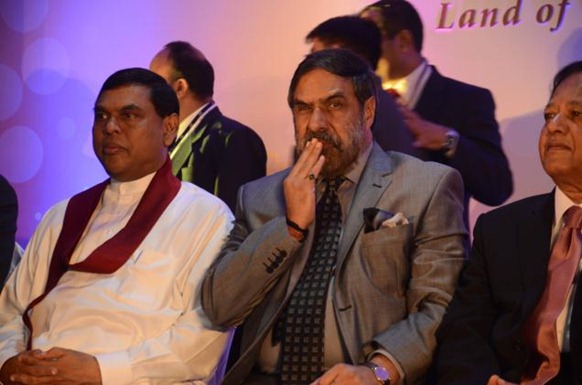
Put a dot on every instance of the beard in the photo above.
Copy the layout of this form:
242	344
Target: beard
340	157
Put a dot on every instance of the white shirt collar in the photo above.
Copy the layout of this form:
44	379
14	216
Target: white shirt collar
561	204
410	87
184	123
131	187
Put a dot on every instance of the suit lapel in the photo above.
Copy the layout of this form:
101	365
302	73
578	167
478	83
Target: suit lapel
184	150
533	240
430	101
373	182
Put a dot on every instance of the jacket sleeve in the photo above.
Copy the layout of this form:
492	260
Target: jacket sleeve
8	214
249	265
479	156
464	354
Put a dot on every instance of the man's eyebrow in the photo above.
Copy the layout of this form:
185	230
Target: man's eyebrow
334	95
130	107
571	103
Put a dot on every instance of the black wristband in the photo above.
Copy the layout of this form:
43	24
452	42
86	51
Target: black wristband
295	226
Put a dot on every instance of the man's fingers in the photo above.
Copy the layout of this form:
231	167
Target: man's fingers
496	380
35	374
31	357
318	166
308	158
54	353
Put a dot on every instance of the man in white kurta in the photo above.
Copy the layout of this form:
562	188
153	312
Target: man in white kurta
143	324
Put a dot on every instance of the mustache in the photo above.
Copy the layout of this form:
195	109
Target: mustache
324	137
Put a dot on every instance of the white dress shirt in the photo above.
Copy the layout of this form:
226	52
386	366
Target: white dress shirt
143	323
411	86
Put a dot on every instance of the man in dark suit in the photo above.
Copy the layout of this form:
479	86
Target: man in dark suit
453	122
212	151
8	215
392	246
363	37
484	336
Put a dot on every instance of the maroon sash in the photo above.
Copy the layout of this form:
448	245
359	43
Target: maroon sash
113	253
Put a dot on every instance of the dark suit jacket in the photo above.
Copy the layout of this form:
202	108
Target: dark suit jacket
8	215
480	159
391	285
389	129
224	155
499	288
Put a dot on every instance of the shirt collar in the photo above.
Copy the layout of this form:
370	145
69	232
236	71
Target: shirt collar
561	204
131	187
410	87
355	173
186	122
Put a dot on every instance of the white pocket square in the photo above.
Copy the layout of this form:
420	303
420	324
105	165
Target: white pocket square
397	219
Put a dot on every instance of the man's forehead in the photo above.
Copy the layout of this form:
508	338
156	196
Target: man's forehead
135	94
321	84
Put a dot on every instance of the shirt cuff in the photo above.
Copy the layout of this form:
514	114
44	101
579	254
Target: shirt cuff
451	142
115	368
391	358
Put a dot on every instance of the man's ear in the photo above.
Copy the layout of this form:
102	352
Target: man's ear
405	40
170	126
370	111
181	88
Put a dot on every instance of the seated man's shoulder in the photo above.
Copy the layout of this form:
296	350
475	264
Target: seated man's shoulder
266	185
526	206
56	211
229	126
266	189
464	89
195	197
414	167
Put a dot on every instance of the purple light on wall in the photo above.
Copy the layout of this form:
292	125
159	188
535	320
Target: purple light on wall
54	56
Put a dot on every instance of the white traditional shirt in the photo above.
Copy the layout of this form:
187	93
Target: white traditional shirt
143	323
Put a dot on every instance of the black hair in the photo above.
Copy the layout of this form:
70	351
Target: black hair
162	95
191	65
567	71
359	35
340	62
399	15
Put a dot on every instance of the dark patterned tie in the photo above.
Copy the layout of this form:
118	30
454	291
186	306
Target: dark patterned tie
304	319
540	331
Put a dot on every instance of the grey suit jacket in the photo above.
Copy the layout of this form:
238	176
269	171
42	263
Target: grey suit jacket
391	285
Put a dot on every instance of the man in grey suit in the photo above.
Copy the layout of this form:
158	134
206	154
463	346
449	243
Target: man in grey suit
396	248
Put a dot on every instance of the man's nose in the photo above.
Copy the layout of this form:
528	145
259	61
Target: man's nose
111	125
318	120
557	123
